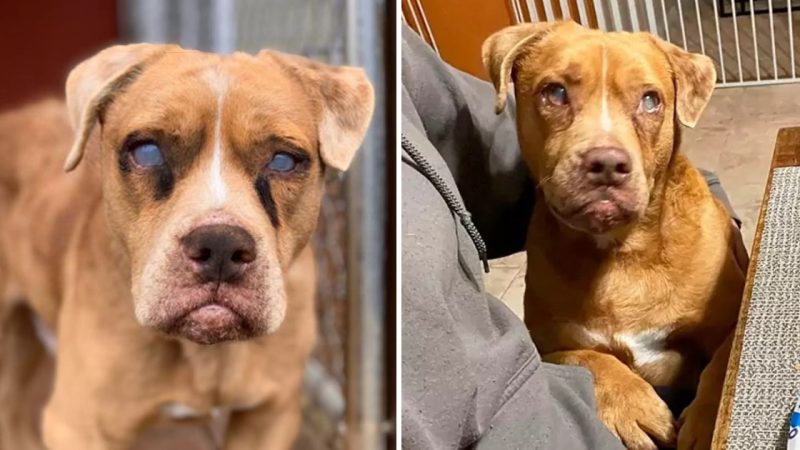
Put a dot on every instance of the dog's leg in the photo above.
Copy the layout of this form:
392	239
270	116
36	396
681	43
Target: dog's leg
699	418
60	433
79	416
273	425
626	403
73	427
24	381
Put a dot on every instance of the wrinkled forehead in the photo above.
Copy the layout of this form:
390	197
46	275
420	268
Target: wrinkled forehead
185	89
591	57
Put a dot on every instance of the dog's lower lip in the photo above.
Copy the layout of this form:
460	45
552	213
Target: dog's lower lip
214	315
210	323
586	208
601	207
596	216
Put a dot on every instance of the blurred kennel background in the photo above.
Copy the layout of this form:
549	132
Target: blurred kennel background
753	42
350	382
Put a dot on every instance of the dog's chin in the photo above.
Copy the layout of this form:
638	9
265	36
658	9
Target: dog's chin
597	217
210	315
212	323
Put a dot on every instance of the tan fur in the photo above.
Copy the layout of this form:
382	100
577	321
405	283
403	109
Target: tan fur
97	258
674	268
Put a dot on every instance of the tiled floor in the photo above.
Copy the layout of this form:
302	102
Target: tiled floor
734	138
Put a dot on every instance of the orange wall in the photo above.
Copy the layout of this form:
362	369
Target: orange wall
40	41
458	28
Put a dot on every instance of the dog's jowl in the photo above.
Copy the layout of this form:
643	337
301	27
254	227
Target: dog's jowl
173	261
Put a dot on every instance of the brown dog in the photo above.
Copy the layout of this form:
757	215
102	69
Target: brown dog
635	271
188	225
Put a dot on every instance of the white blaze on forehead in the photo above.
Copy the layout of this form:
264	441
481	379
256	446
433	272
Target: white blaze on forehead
219	85
605	116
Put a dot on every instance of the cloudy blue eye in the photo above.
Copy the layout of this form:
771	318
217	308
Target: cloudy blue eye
282	162
148	155
650	102
555	94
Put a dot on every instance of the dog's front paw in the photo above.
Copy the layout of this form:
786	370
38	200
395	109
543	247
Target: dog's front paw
696	426
633	411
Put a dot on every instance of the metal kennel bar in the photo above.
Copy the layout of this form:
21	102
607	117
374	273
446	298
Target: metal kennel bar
755	40
564	4
366	390
791	36
601	15
533	11
634	15
700	26
548	11
651	17
738	48
719	47
682	22
615	13
664	17
582	12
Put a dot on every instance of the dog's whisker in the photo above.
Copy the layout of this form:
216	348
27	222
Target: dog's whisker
543	182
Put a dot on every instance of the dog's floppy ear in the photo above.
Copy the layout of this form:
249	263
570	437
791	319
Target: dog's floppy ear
501	50
694	76
92	84
347	103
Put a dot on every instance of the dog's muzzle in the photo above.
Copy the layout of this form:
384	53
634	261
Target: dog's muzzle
217	292
599	194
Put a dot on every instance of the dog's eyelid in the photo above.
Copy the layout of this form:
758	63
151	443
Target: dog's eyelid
295	152
140	137
650	88
278	144
550	80
651	93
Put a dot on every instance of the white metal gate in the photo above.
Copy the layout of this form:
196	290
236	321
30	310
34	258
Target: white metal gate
752	41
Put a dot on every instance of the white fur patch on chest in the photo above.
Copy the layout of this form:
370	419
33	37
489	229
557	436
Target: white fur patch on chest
46	336
179	411
646	347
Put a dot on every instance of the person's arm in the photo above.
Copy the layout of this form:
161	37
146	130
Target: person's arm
456	112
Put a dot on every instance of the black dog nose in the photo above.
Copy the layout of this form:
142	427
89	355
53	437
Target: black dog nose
220	252
607	166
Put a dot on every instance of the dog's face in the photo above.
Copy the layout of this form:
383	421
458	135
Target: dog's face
597	114
213	173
